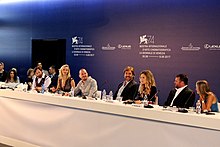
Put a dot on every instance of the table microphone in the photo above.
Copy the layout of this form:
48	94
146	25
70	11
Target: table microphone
150	106
188	99
183	110
154	95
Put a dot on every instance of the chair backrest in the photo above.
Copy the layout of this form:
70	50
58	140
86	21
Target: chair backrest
219	107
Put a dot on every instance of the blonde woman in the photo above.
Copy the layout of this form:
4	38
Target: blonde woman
207	98
147	88
65	83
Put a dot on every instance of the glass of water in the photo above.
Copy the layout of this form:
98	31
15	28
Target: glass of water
119	98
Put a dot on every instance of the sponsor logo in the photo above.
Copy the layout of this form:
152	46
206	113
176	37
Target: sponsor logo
190	47
146	39
212	46
77	40
124	46
108	47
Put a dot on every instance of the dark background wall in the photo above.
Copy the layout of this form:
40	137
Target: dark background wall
185	35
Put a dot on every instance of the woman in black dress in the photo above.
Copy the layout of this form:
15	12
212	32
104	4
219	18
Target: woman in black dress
147	88
65	83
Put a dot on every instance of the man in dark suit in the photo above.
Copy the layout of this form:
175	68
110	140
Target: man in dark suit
181	96
3	73
54	78
128	88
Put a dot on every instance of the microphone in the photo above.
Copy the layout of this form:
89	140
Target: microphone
154	95
183	110
150	106
188	99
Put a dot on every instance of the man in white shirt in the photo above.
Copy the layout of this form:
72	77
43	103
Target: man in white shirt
40	80
87	86
128	88
181	96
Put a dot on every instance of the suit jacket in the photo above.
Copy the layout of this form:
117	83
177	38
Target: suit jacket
54	79
129	92
3	76
185	99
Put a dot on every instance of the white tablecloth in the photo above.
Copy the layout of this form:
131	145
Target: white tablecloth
74	124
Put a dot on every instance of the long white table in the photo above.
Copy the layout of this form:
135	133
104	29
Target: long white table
47	120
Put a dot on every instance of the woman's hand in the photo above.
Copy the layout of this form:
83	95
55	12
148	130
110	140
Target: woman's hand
66	94
53	89
137	102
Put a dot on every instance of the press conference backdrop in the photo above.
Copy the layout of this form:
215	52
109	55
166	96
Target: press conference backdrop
103	36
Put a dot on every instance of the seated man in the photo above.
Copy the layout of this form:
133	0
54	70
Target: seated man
54	78
181	96
3	73
87	86
128	88
40	80
44	71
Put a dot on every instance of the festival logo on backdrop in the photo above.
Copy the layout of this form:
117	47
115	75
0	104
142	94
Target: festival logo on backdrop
77	40
146	39
80	49
150	49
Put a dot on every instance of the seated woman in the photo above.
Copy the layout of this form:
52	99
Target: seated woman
147	88
207	98
65	83
30	74
12	76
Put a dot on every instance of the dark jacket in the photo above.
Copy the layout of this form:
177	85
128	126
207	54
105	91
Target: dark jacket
129	92
185	99
54	79
3	76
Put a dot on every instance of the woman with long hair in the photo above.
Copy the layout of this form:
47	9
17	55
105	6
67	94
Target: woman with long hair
147	88
65	82
207	98
12	76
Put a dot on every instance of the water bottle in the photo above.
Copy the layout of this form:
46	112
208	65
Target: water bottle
42	89
198	107
72	92
104	95
110	96
25	87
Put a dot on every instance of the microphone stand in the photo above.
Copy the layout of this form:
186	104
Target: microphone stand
154	95
183	110
145	99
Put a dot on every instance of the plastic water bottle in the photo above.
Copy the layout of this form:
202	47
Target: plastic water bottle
104	95
72	92
42	89
25	87
198	107
110	96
